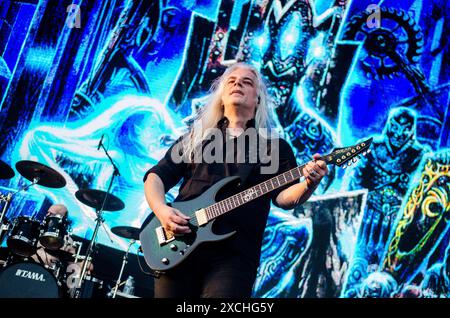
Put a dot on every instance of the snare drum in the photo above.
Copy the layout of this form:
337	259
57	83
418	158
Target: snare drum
28	280
23	236
54	229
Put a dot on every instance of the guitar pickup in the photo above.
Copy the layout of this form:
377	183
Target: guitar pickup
163	236
201	216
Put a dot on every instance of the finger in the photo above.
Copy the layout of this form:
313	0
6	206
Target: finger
308	170
319	169
322	164
312	169
183	230
312	180
177	219
314	174
319	160
309	175
179	229
178	212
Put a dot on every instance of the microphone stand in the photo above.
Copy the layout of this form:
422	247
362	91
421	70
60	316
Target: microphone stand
99	220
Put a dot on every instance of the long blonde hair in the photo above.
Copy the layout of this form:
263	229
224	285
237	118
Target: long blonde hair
213	111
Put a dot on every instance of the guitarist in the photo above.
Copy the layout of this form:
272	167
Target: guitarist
225	269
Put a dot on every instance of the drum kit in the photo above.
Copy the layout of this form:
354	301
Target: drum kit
23	272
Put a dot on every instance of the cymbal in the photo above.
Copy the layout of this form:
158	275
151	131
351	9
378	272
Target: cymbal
48	177
94	199
127	232
6	172
62	255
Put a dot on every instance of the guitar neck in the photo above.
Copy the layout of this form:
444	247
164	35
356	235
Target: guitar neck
339	156
250	194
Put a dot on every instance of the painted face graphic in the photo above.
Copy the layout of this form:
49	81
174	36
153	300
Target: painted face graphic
401	127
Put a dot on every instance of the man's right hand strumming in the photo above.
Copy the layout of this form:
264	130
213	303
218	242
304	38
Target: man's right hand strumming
173	220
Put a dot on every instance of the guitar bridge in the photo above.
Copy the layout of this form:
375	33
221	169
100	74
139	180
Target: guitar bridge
163	236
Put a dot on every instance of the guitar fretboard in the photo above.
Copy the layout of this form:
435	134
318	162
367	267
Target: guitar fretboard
339	156
253	193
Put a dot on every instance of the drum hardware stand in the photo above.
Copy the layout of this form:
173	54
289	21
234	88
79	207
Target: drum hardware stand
77	255
99	221
8	198
124	262
25	188
107	234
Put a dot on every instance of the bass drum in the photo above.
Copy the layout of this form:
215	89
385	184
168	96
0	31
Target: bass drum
28	280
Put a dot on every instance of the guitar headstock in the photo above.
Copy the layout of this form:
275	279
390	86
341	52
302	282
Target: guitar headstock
347	156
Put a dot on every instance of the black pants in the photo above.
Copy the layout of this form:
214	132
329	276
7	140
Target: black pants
209	272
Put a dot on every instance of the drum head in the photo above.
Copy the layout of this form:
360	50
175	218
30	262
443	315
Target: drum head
53	232
28	280
23	237
51	241
21	246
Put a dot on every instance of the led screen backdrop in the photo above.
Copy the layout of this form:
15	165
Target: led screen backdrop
137	71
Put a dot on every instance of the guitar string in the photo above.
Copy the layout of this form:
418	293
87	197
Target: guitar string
225	201
194	218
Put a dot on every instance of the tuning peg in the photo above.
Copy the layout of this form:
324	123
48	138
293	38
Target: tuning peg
369	150
344	167
349	163
355	159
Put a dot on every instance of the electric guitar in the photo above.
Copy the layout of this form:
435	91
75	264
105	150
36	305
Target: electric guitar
163	251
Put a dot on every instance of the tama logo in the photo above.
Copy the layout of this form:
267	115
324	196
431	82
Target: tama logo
30	275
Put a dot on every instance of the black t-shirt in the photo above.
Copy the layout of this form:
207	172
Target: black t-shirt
250	219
